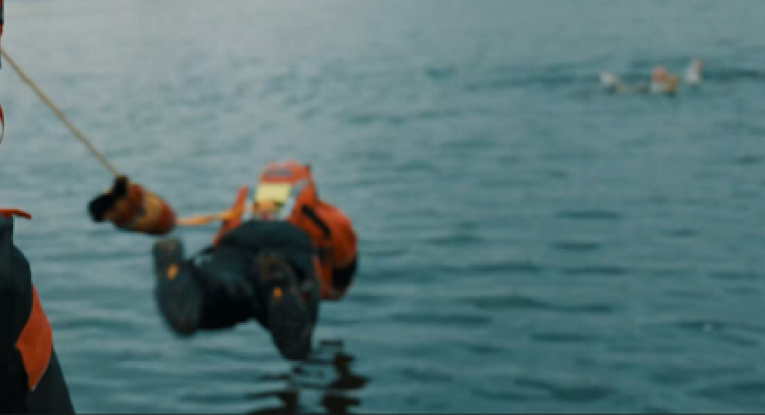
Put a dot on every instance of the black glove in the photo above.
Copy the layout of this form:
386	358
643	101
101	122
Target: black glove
102	204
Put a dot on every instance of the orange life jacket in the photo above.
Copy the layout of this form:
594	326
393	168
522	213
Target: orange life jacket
328	228
291	186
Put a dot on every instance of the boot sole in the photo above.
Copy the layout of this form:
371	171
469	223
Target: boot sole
177	293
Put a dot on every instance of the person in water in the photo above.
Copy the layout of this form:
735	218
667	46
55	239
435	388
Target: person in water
662	82
275	267
31	379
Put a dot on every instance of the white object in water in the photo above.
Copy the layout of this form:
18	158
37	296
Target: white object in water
608	79
693	73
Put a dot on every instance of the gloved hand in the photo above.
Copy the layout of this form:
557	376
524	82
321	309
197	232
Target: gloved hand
109	205
132	208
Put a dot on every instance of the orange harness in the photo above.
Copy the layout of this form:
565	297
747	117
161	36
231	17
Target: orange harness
331	234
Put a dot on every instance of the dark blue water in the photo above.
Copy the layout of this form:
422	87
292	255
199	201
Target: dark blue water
528	242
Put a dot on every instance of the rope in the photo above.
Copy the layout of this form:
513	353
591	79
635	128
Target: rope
77	134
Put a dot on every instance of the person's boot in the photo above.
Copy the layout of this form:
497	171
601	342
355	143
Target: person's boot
286	314
177	293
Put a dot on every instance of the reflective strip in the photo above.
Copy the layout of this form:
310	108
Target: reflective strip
289	205
275	192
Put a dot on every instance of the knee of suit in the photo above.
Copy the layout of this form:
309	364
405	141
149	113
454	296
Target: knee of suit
180	314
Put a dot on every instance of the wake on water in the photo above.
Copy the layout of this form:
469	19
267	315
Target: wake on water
322	383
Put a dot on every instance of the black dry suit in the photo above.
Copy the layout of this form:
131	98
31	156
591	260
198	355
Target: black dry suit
223	285
30	376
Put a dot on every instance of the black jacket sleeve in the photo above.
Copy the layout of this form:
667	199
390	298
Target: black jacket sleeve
15	305
52	394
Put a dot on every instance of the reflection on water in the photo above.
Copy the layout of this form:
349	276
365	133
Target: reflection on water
322	383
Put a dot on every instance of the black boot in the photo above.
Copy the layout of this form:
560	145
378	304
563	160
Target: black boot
178	295
287	316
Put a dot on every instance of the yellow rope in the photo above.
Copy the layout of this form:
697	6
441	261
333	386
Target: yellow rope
60	115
